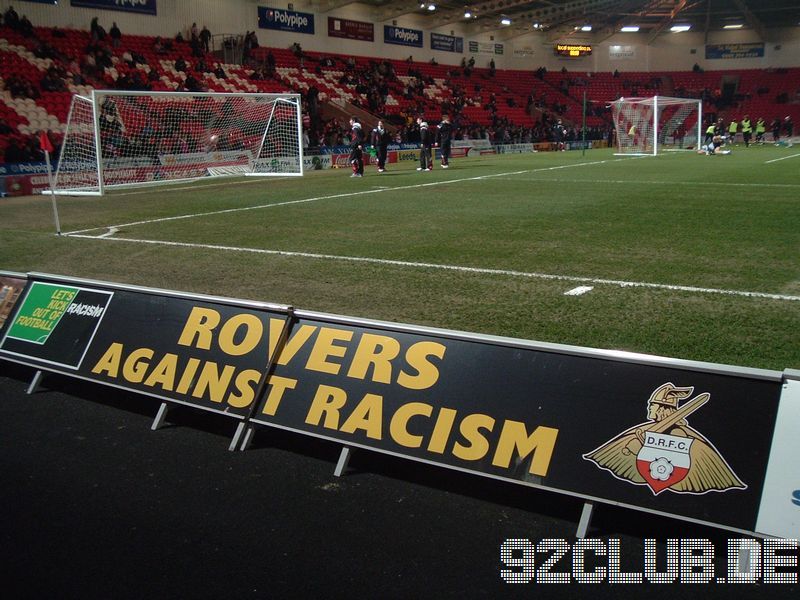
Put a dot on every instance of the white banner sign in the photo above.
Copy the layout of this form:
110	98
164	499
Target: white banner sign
514	148
779	514
476	143
213	158
316	162
622	52
485	48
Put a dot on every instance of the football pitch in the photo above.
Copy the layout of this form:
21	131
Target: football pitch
680	255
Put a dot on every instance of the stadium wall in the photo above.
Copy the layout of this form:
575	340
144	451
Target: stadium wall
623	52
668	52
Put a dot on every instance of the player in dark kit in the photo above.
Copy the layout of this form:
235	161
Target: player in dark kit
559	136
356	148
444	136
425	141
380	139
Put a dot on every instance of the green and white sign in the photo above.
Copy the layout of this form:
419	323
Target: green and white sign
55	323
41	312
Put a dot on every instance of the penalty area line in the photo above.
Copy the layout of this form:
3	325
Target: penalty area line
453	268
342	195
774	160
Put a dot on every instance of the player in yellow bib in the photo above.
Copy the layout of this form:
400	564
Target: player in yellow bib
733	128
747	131
761	129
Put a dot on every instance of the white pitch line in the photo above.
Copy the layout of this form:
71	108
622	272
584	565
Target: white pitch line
456	268
111	231
579	291
342	195
783	158
670	183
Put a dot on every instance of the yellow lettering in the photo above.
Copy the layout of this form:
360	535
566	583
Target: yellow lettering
378	351
470	428
188	375
197	331
244	383
514	436
367	416
427	373
325	347
277	386
212	381
398	427
328	401
109	362
136	364
164	372
441	430
254	329
293	344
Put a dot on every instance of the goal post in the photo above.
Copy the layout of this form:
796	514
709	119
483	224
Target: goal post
648	126
123	138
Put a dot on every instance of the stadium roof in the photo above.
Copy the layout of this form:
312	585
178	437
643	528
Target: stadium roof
560	18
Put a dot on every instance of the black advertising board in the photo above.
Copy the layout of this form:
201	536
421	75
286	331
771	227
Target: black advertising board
690	440
54	323
207	353
663	439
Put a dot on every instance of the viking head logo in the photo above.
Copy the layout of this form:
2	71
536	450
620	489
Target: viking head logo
664	453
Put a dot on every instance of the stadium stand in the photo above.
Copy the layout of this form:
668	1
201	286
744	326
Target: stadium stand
41	72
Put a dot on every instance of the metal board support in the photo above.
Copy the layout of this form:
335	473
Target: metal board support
161	416
344	458
586	520
245	430
237	436
247	438
34	385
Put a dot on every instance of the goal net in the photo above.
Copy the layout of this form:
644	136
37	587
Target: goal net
116	138
651	125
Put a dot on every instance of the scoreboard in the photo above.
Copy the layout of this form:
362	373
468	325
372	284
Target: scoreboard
573	50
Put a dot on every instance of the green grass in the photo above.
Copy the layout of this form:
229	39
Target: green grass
724	223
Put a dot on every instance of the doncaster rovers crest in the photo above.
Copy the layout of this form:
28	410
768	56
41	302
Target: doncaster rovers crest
665	453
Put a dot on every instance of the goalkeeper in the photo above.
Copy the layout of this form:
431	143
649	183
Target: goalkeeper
715	146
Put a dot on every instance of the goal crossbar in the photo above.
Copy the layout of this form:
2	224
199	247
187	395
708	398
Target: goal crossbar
118	139
648	126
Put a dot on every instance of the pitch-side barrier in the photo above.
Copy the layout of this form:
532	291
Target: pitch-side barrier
708	443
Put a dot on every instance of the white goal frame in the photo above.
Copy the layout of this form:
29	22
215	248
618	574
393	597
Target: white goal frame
87	166
645	125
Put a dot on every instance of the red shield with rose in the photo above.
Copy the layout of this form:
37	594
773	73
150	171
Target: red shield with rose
663	460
